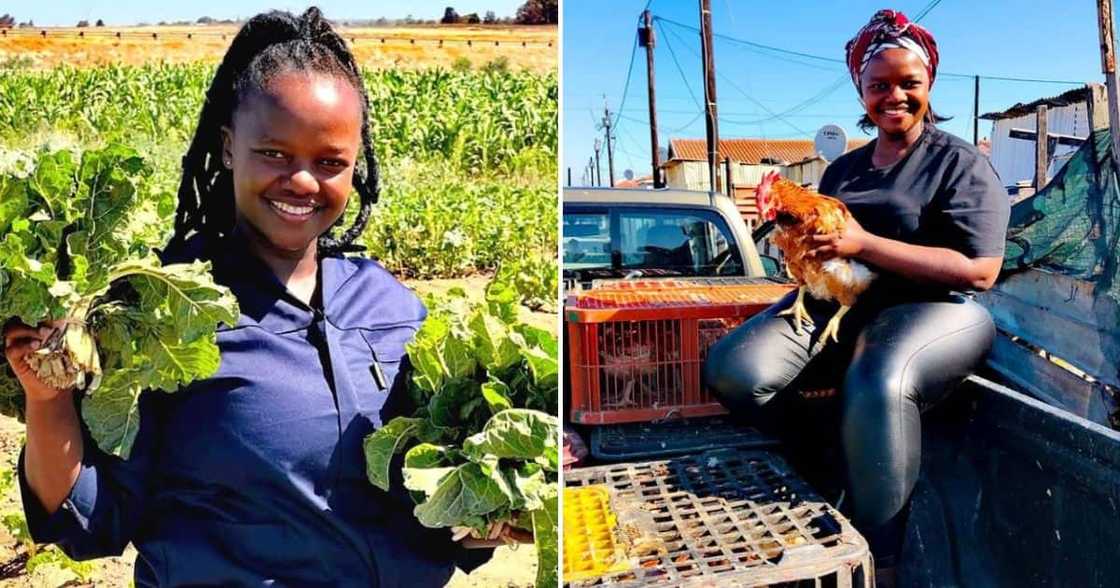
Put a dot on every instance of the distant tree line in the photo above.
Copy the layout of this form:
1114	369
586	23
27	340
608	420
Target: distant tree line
532	12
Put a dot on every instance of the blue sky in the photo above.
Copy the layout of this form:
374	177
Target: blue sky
122	12
1021	38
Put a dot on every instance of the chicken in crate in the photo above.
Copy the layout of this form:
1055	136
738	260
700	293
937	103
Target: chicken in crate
636	348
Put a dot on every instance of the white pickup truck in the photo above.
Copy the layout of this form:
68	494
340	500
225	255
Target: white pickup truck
1020	479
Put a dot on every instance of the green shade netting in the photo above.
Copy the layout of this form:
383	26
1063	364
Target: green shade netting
1072	226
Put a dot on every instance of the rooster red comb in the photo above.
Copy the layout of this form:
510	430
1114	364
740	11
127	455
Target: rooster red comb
762	195
890	29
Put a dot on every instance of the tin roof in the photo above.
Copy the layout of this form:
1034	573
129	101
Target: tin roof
1064	99
751	151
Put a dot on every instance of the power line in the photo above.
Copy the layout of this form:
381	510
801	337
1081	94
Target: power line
843	62
687	124
926	10
732	83
680	70
629	70
751	43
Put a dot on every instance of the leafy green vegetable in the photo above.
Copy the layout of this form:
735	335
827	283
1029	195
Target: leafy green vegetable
487	390
546	533
75	244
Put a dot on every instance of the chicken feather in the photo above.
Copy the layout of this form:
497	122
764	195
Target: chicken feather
800	214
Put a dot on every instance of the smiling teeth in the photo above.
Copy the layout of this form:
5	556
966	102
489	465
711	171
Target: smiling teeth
292	209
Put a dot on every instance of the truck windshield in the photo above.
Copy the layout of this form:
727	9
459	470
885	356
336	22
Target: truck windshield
651	241
686	243
587	241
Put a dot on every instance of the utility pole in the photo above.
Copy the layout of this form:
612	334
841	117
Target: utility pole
607	123
646	39
976	111
710	112
569	176
590	171
1108	67
597	172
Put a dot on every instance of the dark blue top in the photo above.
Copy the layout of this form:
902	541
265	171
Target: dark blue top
256	476
942	193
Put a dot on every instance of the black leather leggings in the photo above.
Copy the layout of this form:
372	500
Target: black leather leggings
896	357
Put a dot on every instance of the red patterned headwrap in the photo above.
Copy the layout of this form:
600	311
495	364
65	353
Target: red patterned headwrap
890	29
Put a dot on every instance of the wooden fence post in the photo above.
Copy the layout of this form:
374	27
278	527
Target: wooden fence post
1041	149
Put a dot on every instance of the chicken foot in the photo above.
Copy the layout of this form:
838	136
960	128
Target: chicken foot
798	312
833	327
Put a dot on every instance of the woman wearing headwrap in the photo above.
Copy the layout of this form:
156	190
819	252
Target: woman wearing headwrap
931	218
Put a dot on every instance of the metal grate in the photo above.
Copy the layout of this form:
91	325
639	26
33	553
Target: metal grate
732	518
650	440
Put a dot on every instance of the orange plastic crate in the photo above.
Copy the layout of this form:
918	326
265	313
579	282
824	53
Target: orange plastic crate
636	347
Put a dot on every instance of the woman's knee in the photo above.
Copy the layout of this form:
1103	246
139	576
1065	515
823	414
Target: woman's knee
874	389
739	378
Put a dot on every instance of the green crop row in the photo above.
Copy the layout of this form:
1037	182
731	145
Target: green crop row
478	121
468	157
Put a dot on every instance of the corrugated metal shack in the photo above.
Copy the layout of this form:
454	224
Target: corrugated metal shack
1014	159
686	166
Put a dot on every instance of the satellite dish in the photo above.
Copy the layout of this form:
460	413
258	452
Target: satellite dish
831	142
628	174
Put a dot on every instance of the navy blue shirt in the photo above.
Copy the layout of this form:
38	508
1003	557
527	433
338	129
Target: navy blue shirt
256	476
942	193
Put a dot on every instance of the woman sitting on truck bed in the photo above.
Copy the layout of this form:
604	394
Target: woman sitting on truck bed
931	219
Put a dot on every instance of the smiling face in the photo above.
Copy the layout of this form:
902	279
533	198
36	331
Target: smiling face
292	149
895	91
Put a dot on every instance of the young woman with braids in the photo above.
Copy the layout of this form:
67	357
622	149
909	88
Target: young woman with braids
256	476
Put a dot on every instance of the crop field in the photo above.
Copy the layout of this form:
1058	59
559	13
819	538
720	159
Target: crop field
524	47
468	177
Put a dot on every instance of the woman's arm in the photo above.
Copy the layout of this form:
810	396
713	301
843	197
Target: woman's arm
920	263
53	457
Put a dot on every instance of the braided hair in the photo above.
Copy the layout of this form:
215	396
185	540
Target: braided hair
269	44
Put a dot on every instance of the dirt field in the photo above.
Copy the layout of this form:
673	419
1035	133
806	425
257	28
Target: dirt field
525	47
510	567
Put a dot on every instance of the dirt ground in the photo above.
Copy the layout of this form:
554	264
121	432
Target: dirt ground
525	47
511	567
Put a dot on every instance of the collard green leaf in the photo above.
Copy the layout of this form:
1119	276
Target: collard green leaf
425	455
53	185
515	433
464	492
380	447
531	485
458	360
495	350
502	297
496	394
112	413
13	201
11	394
445	407
183	295
424	353
543	367
546	536
425	480
536	337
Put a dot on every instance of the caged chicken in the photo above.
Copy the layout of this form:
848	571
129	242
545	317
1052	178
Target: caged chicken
800	213
639	364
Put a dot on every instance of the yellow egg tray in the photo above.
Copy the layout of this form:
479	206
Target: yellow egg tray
591	549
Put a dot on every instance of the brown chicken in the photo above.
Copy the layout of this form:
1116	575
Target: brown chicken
800	213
